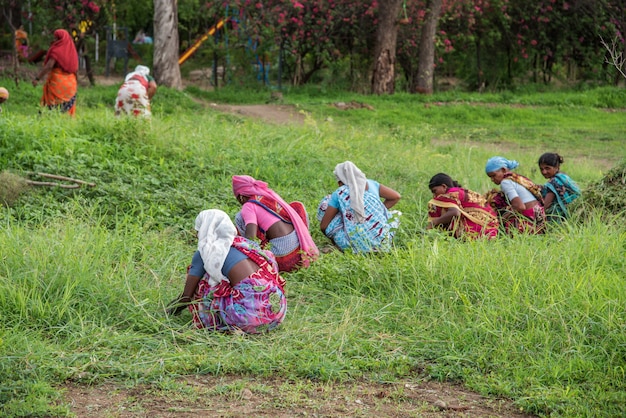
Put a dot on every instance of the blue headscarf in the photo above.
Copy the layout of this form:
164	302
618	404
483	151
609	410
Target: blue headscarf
496	163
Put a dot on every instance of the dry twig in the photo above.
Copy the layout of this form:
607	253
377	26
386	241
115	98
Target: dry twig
617	58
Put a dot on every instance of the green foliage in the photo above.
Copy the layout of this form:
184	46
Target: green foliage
85	273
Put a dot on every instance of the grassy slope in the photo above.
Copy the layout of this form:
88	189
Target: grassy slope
84	274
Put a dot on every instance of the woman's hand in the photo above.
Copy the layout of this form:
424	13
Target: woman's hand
177	305
445	218
152	88
45	70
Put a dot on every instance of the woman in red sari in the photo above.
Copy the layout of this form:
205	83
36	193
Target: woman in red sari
61	66
463	212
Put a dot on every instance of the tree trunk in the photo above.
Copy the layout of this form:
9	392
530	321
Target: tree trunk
80	48
166	68
383	76
426	63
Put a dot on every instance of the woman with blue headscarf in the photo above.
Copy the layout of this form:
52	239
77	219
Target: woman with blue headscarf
518	203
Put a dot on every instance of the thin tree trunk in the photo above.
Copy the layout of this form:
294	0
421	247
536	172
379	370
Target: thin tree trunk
166	68
426	63
383	75
80	47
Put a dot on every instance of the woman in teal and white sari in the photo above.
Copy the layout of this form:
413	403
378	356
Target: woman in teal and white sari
354	217
560	190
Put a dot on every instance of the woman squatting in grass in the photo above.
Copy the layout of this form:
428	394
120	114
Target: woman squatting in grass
231	284
519	203
462	212
282	227
354	217
560	190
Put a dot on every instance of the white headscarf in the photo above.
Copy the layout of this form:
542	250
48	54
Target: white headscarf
350	175
216	233
141	70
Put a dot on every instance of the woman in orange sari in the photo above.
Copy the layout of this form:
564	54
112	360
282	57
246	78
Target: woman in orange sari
61	66
465	213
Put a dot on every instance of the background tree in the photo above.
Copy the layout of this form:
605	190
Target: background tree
426	66
165	59
384	57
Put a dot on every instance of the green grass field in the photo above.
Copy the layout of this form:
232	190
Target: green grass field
85	273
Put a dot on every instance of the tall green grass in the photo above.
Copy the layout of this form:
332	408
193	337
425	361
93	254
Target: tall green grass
85	274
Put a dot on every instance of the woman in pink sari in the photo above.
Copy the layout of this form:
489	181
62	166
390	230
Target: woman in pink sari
281	227
463	212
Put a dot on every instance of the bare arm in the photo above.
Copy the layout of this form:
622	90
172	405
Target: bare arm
517	204
45	70
328	216
547	201
178	304
444	219
391	196
251	230
152	88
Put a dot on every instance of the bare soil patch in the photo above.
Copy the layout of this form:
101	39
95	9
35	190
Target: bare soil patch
272	113
249	397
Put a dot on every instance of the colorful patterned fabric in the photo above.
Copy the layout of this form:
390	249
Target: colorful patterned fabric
256	304
565	191
132	99
477	219
249	186
59	91
286	249
375	233
530	221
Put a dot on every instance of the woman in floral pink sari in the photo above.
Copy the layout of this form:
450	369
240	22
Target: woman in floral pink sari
463	212
231	283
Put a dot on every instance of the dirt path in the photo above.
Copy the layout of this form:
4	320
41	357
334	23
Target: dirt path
246	397
279	114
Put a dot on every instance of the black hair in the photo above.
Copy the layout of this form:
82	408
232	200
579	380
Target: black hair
442	178
551	158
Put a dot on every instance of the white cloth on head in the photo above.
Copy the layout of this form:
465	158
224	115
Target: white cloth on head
216	233
141	70
350	175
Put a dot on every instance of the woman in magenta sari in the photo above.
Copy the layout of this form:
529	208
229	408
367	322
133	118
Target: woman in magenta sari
460	211
281	227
